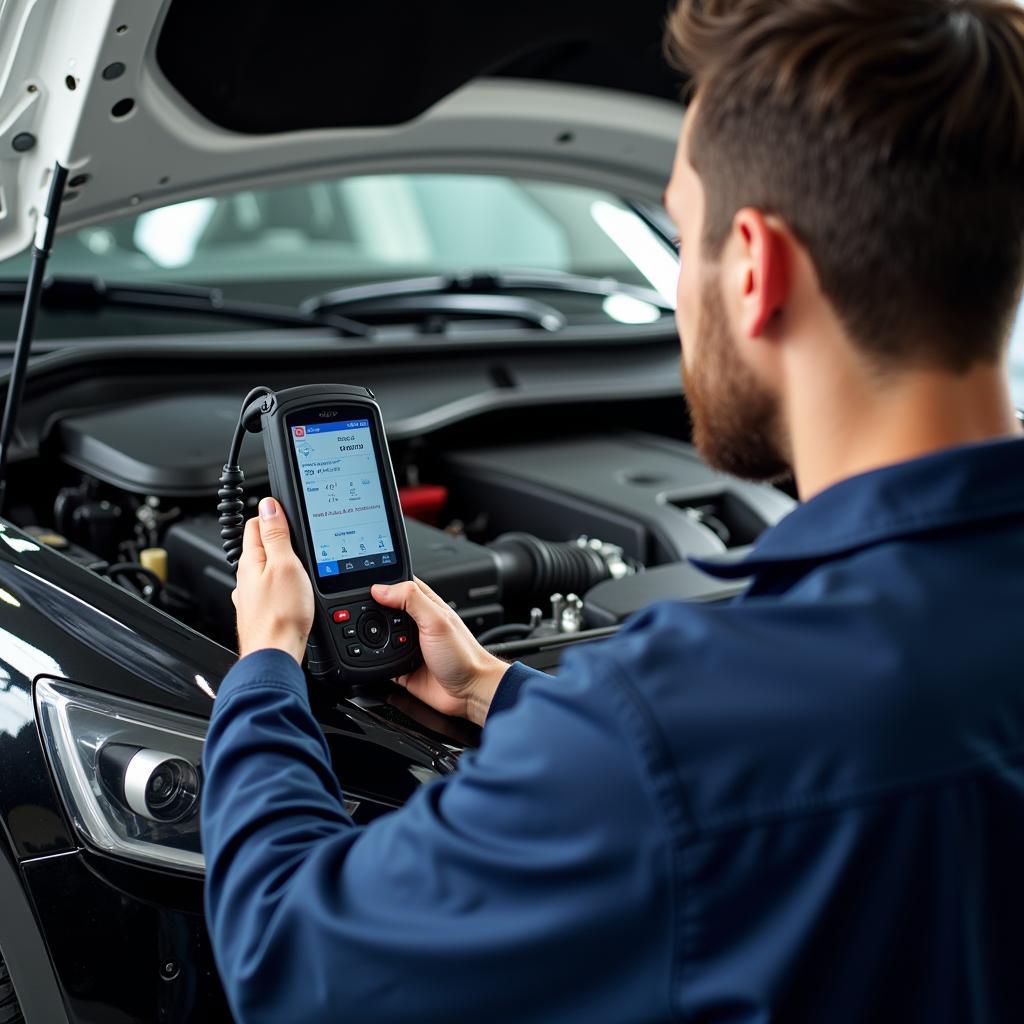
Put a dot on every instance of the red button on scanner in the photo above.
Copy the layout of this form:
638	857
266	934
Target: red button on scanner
341	615
401	640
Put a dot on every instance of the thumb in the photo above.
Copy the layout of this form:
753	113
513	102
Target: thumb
274	529
408	597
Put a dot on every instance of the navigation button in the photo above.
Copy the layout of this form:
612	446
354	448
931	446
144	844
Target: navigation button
355	651
327	568
402	639
349	632
373	629
342	615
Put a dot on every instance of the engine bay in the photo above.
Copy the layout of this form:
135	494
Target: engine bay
557	534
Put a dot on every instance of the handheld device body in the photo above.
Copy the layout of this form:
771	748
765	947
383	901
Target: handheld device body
330	468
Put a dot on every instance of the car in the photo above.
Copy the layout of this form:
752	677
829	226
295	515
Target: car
457	207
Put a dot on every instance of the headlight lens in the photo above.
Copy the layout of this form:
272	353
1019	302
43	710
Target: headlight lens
114	758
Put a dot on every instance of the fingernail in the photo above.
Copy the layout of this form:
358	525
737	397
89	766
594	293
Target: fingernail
268	508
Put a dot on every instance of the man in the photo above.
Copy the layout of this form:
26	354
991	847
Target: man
807	805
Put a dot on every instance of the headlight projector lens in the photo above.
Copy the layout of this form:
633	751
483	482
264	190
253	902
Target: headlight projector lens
155	785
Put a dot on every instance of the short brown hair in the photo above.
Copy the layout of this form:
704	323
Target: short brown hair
889	136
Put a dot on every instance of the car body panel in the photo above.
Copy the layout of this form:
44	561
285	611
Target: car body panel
126	944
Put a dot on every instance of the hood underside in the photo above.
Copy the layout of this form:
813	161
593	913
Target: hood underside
150	102
264	66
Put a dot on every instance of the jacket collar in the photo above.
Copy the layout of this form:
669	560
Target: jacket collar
955	487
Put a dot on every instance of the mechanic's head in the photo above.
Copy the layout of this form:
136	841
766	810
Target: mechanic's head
849	194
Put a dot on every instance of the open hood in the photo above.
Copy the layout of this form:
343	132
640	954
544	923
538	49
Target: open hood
149	102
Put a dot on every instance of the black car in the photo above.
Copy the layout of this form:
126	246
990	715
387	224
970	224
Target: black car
460	210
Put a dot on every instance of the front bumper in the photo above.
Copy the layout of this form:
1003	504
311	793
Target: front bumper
124	943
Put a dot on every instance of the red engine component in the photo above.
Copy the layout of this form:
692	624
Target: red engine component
424	502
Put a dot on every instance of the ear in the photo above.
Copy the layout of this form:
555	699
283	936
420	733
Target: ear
763	270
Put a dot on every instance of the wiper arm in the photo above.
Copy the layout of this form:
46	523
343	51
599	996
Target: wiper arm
434	300
474	294
434	309
93	293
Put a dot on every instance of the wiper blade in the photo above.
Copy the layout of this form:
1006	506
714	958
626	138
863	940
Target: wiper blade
475	294
93	293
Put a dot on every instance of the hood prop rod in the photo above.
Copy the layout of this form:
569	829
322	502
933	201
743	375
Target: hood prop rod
46	228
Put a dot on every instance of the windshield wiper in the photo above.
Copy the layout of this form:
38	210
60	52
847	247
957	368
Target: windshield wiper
474	294
93	293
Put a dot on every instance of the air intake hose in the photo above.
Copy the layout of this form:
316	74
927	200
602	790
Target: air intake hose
528	565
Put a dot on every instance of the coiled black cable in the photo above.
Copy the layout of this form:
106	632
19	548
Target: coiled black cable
231	494
231	512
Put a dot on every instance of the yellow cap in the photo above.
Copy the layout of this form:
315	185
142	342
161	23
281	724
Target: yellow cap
155	560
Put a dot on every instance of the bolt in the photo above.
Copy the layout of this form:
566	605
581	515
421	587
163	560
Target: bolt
169	970
23	142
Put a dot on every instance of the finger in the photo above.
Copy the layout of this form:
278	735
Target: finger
274	530
253	553
412	677
409	598
416	682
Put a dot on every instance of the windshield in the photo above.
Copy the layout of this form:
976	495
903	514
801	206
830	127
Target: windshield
282	245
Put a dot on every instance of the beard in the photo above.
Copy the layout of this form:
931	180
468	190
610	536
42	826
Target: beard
737	421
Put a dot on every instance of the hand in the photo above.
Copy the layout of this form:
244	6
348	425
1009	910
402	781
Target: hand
457	677
273	595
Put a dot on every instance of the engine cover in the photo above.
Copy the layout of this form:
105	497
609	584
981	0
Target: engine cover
170	447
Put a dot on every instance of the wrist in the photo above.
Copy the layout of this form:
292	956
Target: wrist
293	648
485	685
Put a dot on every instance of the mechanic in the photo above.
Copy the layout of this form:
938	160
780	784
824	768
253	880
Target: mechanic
807	805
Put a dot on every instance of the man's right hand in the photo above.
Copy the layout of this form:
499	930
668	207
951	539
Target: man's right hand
457	677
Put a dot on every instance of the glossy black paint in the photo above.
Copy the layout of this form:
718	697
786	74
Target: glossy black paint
128	944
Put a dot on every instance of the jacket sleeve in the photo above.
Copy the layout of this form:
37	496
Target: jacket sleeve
531	885
511	685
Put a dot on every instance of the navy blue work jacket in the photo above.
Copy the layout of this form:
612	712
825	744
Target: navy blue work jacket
807	805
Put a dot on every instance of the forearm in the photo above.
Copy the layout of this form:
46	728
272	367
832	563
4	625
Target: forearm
307	911
270	799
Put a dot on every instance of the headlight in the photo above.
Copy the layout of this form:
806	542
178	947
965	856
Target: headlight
129	773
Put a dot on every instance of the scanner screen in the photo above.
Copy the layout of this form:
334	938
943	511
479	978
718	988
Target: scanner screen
343	496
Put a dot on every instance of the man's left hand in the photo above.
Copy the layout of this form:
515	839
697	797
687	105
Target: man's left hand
273	595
